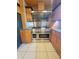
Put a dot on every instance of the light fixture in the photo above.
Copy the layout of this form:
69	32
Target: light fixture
42	11
32	11
46	11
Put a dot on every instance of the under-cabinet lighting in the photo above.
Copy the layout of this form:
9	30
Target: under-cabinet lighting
42	11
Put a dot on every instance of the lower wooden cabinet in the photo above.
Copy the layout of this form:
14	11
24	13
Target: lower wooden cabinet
56	41
26	36
22	33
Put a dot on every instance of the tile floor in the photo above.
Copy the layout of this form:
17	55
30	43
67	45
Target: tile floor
38	49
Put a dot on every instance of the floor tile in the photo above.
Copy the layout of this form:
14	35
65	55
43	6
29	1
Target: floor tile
30	55
49	47
41	55
20	55
32	48
40	47
53	55
23	47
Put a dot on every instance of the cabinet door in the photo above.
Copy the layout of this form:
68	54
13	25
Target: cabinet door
22	32
28	36
54	38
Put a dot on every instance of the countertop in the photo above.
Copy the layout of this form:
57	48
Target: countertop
57	30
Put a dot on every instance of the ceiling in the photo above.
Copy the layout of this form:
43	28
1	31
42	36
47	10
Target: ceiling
34	4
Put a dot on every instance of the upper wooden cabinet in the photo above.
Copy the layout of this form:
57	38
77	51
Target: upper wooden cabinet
18	9
28	10
41	6
29	17
28	14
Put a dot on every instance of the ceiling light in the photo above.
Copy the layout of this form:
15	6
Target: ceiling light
42	11
33	11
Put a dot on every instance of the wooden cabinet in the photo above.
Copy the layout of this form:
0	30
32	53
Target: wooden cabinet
28	10
23	14
29	15
18	9
22	33
26	36
41	6
56	41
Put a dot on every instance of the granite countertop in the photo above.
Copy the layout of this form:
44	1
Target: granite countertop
58	30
